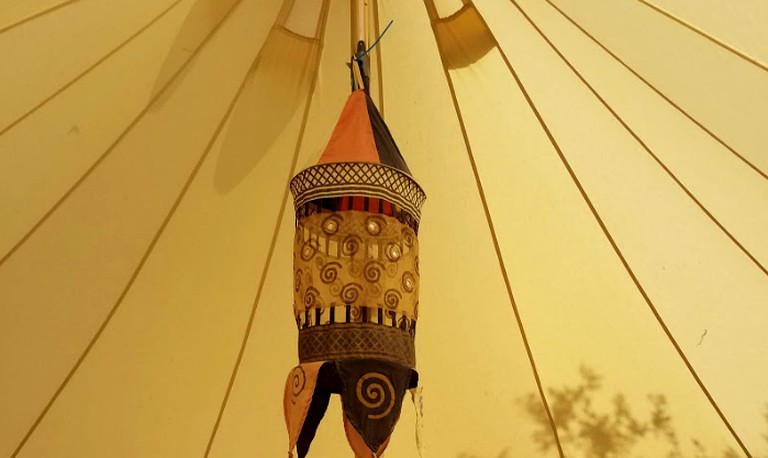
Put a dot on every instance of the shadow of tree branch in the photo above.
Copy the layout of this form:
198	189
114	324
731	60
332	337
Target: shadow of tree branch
596	430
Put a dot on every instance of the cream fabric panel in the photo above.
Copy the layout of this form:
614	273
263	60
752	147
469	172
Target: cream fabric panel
170	351
203	17
13	11
45	154
474	369
740	24
699	280
735	194
42	54
98	236
580	308
697	74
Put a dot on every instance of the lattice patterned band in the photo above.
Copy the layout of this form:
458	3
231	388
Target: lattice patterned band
358	178
361	340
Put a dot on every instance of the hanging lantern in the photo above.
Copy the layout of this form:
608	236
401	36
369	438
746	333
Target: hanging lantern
356	283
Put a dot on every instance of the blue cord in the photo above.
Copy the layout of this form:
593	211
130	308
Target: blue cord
365	53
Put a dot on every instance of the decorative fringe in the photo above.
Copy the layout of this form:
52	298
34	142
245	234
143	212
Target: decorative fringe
418	404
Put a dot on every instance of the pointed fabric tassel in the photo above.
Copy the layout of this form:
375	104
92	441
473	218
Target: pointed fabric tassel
358	445
297	398
372	397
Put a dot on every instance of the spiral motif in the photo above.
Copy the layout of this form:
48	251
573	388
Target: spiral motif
356	313
355	268
298	380
408	236
330	272
297	280
331	224
409	283
311	296
335	287
373	290
374	224
351	245
376	393
350	292
372	271
392	298
392	269
309	249
393	252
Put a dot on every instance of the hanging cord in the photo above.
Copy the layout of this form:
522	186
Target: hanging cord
365	53
359	63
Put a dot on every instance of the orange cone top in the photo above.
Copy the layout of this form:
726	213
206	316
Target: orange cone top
361	135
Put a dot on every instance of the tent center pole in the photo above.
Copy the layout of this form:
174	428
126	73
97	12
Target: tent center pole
360	22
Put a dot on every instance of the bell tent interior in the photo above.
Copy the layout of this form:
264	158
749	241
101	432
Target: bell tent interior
594	241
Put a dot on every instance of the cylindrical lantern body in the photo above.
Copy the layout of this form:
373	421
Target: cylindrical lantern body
356	281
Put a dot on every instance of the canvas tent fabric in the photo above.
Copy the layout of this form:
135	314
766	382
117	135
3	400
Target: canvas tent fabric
597	181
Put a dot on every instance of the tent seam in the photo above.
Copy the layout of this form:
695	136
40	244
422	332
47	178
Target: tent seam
117	141
705	35
37	15
494	237
657	91
88	70
616	248
137	271
273	244
643	144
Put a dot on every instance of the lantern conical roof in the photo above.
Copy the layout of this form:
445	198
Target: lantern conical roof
361	135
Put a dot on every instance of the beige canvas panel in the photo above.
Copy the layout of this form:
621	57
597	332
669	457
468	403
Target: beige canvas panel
697	74
692	272
107	225
41	55
203	18
278	85
691	155
559	263
468	347
46	154
14	13
738	25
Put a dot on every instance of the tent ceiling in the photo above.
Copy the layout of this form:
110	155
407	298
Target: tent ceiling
596	174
